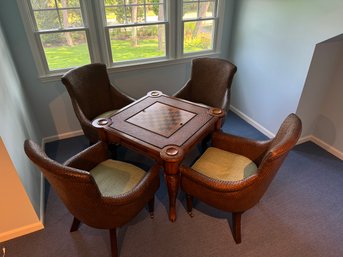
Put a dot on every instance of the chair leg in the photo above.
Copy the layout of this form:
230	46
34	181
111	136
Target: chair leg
189	204
75	225
113	238
151	205
236	226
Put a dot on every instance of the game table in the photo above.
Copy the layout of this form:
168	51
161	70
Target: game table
163	127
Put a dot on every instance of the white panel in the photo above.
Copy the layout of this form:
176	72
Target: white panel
17	216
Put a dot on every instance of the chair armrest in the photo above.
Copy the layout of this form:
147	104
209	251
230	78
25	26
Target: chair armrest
90	157
84	121
252	149
183	93
119	98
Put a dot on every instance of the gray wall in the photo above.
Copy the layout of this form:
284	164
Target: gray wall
273	44
17	124
321	101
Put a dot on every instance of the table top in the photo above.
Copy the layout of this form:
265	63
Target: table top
159	122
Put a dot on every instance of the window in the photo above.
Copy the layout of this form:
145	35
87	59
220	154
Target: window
60	30
136	29
121	33
199	24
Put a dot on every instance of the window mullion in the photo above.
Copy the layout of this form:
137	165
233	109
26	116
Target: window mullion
178	29
89	18
102	30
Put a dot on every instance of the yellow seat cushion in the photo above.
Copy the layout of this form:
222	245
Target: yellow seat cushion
106	114
222	165
116	177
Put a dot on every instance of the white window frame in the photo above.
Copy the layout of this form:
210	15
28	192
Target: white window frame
215	19
35	41
105	37
99	45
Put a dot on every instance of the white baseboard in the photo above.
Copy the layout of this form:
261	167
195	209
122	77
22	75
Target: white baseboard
61	136
252	122
304	139
8	235
334	151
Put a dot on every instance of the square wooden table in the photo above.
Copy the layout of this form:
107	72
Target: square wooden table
164	128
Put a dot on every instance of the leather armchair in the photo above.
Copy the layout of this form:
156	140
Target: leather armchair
235	172
98	191
93	96
210	83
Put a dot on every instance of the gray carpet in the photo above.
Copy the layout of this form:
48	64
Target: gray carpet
300	215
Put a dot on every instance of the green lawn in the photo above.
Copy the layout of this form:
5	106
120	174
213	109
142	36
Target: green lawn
122	50
66	57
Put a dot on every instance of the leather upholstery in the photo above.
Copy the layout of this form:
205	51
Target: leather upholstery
80	193
92	94
210	83
239	196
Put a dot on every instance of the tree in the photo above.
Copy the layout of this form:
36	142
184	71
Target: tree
158	10
134	39
202	13
160	29
68	37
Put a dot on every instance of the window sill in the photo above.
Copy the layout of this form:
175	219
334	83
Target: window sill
133	67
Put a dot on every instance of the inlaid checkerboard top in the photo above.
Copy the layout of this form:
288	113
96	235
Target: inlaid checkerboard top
161	119
157	121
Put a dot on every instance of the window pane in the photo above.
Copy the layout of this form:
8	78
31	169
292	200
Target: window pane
133	43
68	3
134	1
155	13
135	14
46	4
194	10
113	2
65	50
198	36
50	19
190	11
154	1
71	18
115	15
206	9
47	20
43	4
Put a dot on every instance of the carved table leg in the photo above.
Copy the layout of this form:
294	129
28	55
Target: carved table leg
172	157
173	185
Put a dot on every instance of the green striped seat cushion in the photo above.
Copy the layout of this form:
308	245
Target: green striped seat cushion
222	165
116	177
